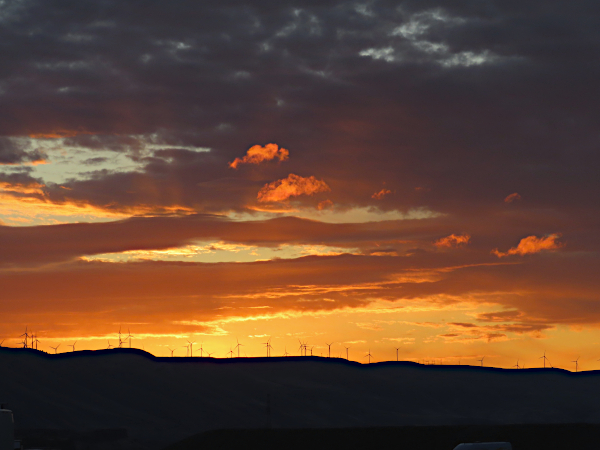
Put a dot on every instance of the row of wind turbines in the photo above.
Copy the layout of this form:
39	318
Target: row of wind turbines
30	340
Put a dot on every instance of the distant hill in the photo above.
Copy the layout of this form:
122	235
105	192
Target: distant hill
159	401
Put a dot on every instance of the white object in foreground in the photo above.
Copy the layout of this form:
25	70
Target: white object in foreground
7	430
484	446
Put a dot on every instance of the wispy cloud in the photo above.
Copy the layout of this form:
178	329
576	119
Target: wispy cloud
512	197
382	193
453	240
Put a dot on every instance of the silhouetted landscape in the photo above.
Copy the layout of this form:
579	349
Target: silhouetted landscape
129	399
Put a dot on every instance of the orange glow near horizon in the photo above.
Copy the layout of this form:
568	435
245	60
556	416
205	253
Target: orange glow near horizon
420	333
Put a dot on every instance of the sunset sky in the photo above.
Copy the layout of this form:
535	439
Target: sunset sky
420	175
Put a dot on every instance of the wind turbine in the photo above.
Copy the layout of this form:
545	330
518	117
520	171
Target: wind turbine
303	345
2	342
34	339
269	347
109	344
238	346
129	336
347	352
230	352
397	348
26	334
517	365
481	361
369	355
576	364
210	354
285	353
201	350
120	341
55	348
172	350
311	351
329	346
73	345
191	348
545	359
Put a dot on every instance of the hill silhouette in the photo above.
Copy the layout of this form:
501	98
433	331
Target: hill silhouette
159	401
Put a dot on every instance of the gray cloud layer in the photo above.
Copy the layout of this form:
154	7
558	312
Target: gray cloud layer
469	101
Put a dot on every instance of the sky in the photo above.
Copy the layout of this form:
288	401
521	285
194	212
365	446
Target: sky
413	179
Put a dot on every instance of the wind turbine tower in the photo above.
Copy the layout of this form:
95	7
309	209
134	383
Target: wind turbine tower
369	355
191	348
26	334
545	359
238	346
576	364
329	351
268	346
129	336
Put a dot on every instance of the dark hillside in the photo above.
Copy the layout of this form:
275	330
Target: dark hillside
158	401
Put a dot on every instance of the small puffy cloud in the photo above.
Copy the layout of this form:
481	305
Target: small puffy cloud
292	186
257	154
532	244
325	204
382	193
512	198
453	240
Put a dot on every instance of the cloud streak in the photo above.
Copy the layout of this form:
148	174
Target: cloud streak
532	244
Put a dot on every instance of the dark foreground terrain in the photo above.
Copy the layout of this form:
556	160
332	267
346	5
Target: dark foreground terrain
522	437
159	401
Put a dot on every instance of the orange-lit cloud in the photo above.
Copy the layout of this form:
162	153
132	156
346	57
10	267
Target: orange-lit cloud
532	244
453	240
382	193
325	204
512	197
257	154
58	134
292	186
